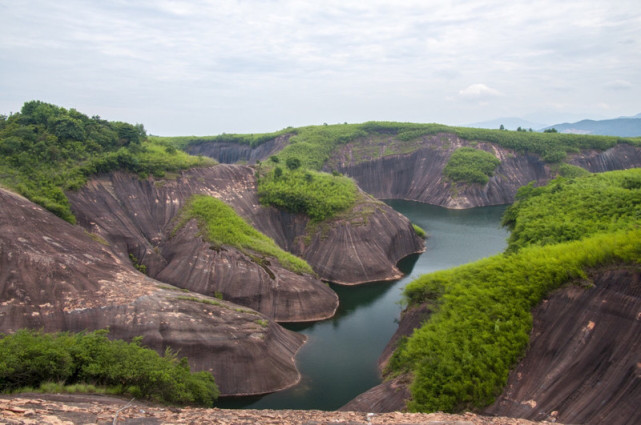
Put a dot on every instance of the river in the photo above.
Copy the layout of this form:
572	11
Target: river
338	362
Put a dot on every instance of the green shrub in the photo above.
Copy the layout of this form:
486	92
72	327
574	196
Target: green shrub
46	150
318	195
221	225
53	361
419	231
461	357
571	209
469	165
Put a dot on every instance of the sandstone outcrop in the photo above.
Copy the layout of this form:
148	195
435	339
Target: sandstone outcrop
418	175
57	277
137	216
583	364
229	153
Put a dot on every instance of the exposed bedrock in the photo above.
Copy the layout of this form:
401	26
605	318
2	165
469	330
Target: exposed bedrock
137	216
229	153
56	277
583	364
418	176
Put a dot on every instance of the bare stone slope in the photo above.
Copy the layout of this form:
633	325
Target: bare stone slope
418	175
56	277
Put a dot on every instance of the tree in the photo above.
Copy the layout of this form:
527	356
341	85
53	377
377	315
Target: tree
292	163
502	127
550	130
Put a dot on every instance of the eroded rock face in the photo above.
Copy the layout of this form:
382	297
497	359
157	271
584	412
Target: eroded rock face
229	153
584	360
55	277
418	176
137	216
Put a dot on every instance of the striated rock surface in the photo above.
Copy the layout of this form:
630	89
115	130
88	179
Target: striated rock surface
418	175
138	217
584	360
361	245
229	153
63	409
57	277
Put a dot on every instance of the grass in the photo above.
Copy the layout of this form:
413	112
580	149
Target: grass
320	196
461	357
571	209
469	165
419	231
223	226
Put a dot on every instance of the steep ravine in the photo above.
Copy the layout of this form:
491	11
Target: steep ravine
56	277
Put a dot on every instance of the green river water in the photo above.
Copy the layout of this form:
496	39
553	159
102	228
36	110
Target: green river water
338	362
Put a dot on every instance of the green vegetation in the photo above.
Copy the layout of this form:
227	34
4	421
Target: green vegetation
34	359
46	149
419	231
221	225
572	209
313	145
469	165
318	195
461	357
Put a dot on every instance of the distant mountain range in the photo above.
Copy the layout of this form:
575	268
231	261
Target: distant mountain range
622	126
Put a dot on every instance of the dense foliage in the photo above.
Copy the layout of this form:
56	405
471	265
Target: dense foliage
223	226
318	195
46	149
469	165
31	358
571	209
460	358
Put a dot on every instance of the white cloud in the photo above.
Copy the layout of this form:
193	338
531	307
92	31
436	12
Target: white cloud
478	91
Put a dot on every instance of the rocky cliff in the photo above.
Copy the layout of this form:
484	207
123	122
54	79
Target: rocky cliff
357	246
58	277
418	175
229	153
584	360
582	366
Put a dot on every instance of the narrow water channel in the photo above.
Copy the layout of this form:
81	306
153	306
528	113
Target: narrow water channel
339	360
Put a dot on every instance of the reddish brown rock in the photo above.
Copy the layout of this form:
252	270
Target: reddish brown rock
584	360
361	245
56	277
418	176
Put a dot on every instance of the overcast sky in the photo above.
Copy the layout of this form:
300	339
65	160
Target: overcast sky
208	67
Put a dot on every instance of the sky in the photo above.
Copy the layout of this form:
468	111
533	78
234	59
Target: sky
251	66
